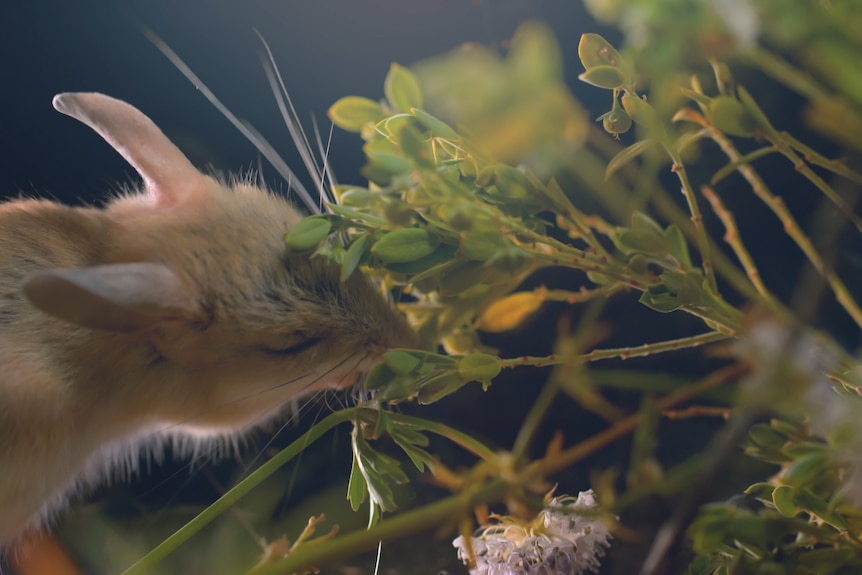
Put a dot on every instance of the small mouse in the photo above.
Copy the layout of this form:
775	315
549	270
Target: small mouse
174	314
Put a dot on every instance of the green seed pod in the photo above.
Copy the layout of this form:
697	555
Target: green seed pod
405	245
479	367
616	121
608	77
728	115
354	112
307	234
593	50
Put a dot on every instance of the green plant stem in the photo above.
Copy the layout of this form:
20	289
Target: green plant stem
534	418
620	352
733	238
614	198
149	561
446	511
783	147
459	438
791	227
696	218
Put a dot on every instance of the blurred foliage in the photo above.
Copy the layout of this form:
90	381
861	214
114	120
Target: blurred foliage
483	169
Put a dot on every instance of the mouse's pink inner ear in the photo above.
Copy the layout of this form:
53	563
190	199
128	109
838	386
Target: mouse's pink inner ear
168	175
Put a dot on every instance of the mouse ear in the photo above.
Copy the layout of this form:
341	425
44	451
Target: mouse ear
116	297
168	175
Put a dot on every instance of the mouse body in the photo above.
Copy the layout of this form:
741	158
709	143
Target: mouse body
175	313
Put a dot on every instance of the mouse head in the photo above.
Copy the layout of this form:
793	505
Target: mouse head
197	272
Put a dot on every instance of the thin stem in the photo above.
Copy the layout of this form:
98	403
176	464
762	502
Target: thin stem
459	438
733	238
696	218
580	296
620	352
783	147
403	525
613	197
148	561
791	227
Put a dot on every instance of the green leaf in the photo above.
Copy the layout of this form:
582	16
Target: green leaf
593	50
308	233
625	156
765	436
415	146
353	256
783	497
678	246
645	115
379	375
401	362
437	127
401	89
357	215
754	110
357	489
607	77
729	116
418	456
806	469
353	113
815	505
439	386
659	298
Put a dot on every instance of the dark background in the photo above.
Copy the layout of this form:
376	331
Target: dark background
325	50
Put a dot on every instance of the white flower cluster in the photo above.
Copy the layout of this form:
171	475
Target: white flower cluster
562	540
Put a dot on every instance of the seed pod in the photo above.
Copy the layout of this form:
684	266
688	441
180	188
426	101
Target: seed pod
307	234
479	367
405	245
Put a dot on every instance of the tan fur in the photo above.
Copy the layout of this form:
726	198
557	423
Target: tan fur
161	316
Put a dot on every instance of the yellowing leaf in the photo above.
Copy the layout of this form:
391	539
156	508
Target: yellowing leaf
509	312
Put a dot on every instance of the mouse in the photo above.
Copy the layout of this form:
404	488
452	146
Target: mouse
173	314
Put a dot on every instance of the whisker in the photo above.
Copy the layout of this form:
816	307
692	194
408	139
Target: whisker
253	136
291	118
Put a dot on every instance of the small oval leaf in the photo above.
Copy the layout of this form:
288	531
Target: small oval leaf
354	112
607	77
401	89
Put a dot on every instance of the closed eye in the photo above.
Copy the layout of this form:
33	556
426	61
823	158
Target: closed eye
293	349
